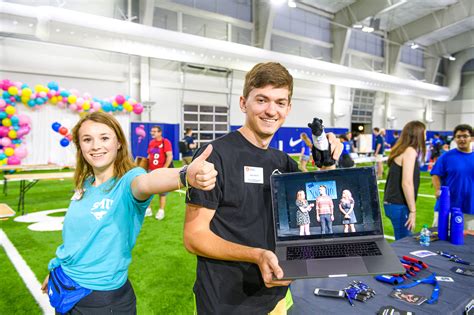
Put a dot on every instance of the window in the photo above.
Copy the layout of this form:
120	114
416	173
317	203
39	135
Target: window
363	106
208	122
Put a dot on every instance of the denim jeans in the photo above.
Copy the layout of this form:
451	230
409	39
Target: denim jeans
398	214
326	222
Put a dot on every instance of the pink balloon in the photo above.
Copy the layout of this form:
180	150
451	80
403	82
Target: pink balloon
87	96
24	120
20	152
120	99
2	103
13	160
96	105
5	141
18	84
61	105
24	130
74	92
42	94
80	101
4	131
138	108
73	107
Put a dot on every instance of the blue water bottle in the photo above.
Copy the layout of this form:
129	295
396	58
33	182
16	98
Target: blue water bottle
457	227
443	213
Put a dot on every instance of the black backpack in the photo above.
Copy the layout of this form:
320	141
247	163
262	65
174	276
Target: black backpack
183	147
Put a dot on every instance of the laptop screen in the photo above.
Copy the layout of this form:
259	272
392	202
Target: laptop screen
326	204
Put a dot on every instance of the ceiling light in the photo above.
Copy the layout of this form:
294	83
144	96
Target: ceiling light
452	58
414	45
291	3
367	29
357	26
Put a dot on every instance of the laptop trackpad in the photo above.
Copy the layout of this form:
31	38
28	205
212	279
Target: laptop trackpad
336	266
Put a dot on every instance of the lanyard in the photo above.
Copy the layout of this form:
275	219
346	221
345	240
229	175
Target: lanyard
428	280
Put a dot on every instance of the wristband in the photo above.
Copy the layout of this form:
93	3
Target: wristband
182	176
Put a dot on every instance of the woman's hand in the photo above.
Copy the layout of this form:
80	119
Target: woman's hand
201	174
410	224
44	286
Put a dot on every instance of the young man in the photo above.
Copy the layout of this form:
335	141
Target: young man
455	169
160	155
230	228
188	138
379	149
324	210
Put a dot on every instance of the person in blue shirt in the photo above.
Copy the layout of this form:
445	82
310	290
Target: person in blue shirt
345	160
455	169
379	150
106	213
190	144
436	146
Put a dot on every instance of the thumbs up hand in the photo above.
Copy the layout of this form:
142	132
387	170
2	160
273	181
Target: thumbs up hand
201	174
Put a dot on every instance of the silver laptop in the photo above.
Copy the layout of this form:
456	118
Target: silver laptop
328	224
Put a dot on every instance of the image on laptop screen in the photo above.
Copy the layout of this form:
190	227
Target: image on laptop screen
336	204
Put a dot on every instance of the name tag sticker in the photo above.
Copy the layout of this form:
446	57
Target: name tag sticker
253	175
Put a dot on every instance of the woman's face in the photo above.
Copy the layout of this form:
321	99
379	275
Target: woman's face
301	195
345	194
99	145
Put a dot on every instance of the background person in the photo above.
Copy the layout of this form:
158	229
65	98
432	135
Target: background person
230	228
160	155
379	150
107	211
305	154
403	180
190	144
455	169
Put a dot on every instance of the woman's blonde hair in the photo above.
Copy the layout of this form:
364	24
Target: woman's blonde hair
305	138
123	162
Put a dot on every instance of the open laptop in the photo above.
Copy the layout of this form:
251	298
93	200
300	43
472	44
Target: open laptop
348	245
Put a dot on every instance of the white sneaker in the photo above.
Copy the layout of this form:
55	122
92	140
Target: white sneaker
148	212
160	215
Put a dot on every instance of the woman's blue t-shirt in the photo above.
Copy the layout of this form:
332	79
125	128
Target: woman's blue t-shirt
99	233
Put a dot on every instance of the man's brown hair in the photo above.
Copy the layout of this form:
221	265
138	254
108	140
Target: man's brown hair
269	73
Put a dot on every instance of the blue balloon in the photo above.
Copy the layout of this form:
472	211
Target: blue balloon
31	103
3	115
2	156
64	142
120	108
5	95
53	86
15	120
107	107
56	126
64	93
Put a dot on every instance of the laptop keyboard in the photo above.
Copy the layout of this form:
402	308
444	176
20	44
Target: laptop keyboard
332	251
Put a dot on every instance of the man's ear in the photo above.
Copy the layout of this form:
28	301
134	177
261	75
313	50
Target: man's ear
243	105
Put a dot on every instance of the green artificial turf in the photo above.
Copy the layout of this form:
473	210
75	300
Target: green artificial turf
162	272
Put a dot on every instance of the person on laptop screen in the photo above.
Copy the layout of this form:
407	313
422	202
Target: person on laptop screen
324	210
346	206
230	228
302	212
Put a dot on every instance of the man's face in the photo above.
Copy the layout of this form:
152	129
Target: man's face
322	191
155	133
266	110
463	140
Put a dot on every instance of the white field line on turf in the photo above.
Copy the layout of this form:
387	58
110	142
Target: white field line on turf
26	274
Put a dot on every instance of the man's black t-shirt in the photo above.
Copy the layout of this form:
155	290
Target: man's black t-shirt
244	216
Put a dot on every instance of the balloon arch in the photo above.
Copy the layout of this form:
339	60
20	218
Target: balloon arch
14	127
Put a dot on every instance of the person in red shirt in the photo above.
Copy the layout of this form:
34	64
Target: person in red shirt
160	155
324	210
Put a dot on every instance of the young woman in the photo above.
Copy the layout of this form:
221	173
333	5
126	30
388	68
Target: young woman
305	156
346	206
106	214
403	179
302	212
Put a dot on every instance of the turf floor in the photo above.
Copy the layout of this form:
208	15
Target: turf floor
162	272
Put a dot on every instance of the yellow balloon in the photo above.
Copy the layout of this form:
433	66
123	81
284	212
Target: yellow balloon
13	90
54	99
9	151
3	162
72	99
12	134
6	122
39	88
128	107
10	110
86	105
114	104
26	92
25	99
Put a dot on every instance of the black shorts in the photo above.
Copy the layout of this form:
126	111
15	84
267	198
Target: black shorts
118	301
